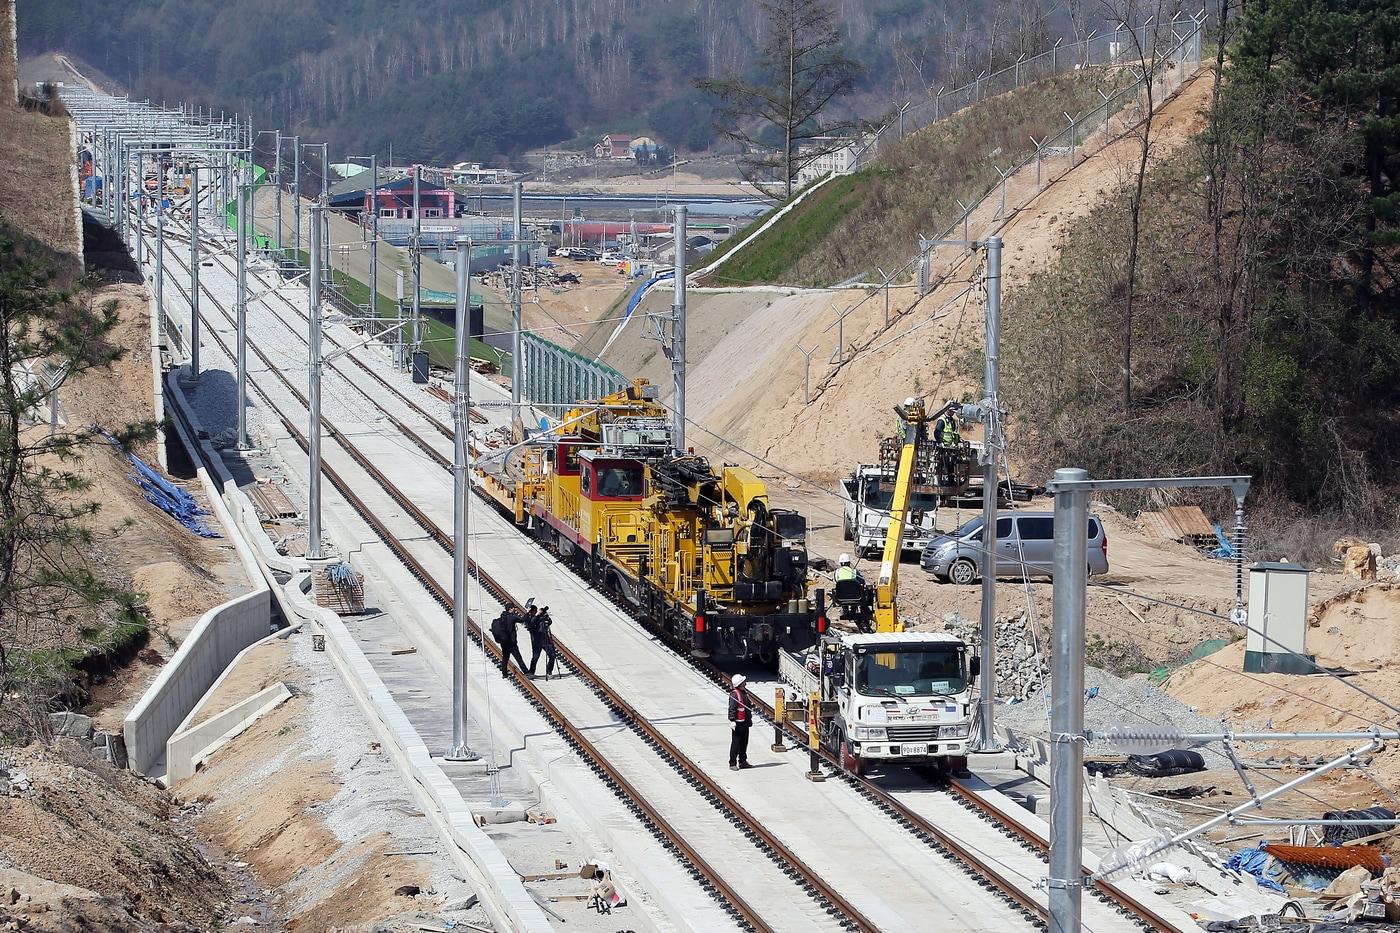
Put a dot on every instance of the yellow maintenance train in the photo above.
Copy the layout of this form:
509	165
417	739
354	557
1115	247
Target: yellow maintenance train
694	548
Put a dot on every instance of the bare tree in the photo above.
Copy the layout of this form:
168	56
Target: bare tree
803	69
1144	21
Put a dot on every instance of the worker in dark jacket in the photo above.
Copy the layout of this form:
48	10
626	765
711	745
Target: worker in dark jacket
504	630
741	714
540	626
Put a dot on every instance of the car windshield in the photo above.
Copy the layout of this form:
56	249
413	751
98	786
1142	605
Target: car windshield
880	496
966	528
911	672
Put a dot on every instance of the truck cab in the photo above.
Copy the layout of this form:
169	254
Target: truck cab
868	493
891	698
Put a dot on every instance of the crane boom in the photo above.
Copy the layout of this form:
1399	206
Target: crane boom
887	585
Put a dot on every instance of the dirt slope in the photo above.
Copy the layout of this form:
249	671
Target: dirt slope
1357	632
917	354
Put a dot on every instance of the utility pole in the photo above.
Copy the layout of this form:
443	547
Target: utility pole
461	492
678	332
160	242
296	199
244	193
313	344
991	447
517	375
194	271
374	236
1067	701
277	171
417	256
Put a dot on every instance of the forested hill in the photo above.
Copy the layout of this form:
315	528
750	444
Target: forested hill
484	78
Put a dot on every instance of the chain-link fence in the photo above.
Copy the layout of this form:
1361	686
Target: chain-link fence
556	377
1124	46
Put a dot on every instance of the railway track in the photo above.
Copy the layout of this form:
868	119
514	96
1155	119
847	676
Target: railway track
1007	883
843	914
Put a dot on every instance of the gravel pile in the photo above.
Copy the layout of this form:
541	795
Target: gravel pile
1118	702
1020	668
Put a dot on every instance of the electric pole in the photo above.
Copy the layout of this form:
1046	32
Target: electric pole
991	448
313	344
517	375
277	171
461	493
374	236
296	199
678	332
243	194
417	256
194	271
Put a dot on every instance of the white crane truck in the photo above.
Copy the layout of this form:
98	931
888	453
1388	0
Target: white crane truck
894	698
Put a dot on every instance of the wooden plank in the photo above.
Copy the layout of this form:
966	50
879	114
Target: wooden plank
1191	520
1156	523
271	501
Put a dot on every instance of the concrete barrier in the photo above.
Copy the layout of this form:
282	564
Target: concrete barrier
209	648
187	749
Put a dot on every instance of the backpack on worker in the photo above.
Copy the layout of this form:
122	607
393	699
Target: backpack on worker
499	628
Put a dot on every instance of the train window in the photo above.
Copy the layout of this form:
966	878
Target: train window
790	525
619	481
586	484
566	461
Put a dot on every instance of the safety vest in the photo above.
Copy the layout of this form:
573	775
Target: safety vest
741	705
948	431
845	573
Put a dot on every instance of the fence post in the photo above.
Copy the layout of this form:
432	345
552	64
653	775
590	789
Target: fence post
966	210
1071	137
1037	162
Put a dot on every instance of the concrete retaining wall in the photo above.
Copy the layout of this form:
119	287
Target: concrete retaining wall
186	749
208	649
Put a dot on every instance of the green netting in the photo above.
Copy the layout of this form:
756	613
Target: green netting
1207	647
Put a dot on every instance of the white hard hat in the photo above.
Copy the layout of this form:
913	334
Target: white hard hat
845	559
909	400
738	680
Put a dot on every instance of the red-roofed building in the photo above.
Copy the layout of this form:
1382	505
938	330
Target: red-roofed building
614	146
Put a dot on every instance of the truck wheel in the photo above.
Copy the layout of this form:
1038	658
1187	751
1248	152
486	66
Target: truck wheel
962	571
849	761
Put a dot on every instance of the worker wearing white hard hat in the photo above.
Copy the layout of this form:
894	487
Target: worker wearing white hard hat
741	715
844	570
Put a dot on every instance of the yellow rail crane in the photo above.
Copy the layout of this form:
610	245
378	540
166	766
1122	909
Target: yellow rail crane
695	548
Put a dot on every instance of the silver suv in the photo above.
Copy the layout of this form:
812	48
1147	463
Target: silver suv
1025	544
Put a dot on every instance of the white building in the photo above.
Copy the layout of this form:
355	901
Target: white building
836	155
471	173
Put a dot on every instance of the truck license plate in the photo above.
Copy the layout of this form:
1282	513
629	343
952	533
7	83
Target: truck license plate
913	749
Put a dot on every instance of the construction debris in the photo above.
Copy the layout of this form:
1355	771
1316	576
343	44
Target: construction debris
340	589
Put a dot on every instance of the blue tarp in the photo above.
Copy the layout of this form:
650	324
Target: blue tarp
1258	863
164	494
1226	550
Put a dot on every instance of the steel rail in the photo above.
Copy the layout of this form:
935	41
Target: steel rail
810	880
882	798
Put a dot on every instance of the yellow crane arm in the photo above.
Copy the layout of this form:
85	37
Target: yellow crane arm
887	586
